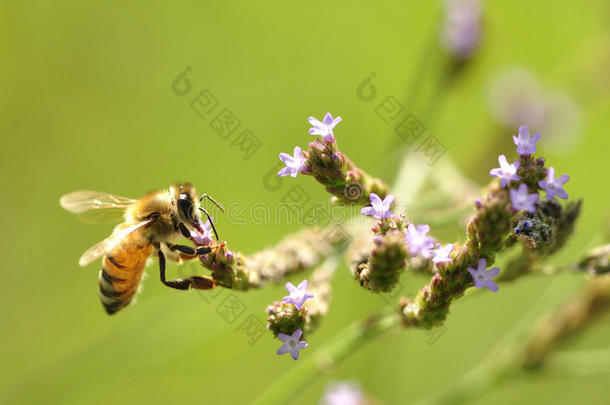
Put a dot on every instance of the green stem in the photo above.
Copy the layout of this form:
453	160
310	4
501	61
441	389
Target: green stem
582	363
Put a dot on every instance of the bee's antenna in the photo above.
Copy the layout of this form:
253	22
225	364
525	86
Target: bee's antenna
204	195
211	222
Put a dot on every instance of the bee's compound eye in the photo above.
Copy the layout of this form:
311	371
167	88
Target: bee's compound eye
185	207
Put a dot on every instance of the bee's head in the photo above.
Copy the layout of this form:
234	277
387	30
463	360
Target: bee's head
188	204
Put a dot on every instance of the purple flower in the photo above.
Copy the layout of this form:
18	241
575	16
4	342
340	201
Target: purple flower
505	172
482	278
343	393
525	144
298	295
462	28
324	128
552	186
203	237
380	209
418	243
442	254
292	343
294	164
521	200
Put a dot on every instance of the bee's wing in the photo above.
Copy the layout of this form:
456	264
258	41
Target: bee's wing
96	207
109	243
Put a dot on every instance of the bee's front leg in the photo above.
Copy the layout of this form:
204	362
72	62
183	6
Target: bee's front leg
198	282
191	251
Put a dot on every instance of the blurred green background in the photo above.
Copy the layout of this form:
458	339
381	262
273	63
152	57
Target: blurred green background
87	103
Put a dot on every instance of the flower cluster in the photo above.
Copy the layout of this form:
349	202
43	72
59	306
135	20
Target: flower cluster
288	319
521	198
330	167
512	210
542	227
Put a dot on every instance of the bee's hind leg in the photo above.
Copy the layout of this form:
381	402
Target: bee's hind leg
197	282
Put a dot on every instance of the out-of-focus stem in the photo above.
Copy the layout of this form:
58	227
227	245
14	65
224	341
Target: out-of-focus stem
533	352
343	345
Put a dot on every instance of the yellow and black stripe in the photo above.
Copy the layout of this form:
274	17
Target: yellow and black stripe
121	272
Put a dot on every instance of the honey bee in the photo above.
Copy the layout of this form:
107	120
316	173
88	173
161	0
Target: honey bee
150	226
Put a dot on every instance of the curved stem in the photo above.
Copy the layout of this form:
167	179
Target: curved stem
347	342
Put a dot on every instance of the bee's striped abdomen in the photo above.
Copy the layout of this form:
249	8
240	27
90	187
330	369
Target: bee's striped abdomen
122	270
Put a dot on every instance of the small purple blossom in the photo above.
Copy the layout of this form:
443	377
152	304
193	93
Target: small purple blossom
525	144
553	186
298	295
343	393
506	172
292	343
442	254
324	128
379	209
521	200
203	237
418	243
462	27
294	164
482	278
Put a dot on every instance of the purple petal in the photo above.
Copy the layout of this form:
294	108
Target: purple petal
503	182
284	172
297	334
491	286
290	287
472	272
503	162
388	201
550	174
561	193
516	164
307	296
532	198
303	345
495	172
283	349
492	272
535	139
294	353
285	157
328	119
336	121
388	214
283	337
303	285
297	152
367	211
482	265
314	121
524	131
374	198
423	228
562	179
516	140
543	184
